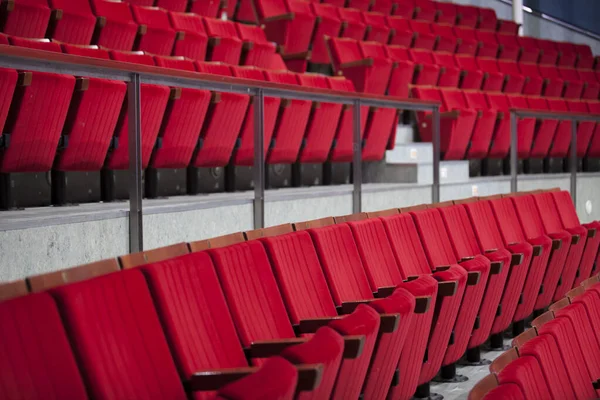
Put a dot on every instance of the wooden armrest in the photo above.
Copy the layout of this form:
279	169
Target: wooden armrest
537	250
446	114
384	291
442	70
311	325
309	376
463	73
596	384
215	97
247	46
353	346
180	35
418	67
556	244
506	78
500	115
591	233
268	348
100	21
350	306
56	15
216	379
517	259
175	93
82	84
575	239
214	41
25	78
142	29
473	278
479	114
495	267
447	289
411	278
358	63
467	258
486	75
281	17
422	304
389	323
490	251
304	55
441	268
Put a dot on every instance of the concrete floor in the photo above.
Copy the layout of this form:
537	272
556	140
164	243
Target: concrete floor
460	391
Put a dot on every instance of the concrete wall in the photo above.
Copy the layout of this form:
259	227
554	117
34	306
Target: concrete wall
47	239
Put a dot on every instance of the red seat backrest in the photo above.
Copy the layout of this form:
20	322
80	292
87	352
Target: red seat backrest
175	63
461	231
136	57
566	208
251	33
38	44
498	101
529	216
454	99
37	361
526	373
77	7
507	220
373	49
187	22
434	237
344	50
476	100
153	17
484	224
488	64
112	11
220	28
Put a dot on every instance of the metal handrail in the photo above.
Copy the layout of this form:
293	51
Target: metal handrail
525	113
135	75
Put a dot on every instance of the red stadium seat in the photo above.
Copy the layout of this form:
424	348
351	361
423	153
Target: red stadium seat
386	7
500	144
562	138
256	47
573	85
425	38
451	74
591	89
555	85
25	18
456	123
508	27
510	48
329	24
402	71
494	80
447	13
445	39
549	54
515	81
468	16
191	40
33	126
71	22
483	131
405	9
158	37
488	43
224	43
426	72
534	83
208	8
353	26
401	32
176	5
544	133
594	149
488	20
471	76
377	28
115	26
425	10
585	129
448	76
362	5
33	365
526	373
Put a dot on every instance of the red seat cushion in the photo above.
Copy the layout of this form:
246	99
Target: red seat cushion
26	18
526	373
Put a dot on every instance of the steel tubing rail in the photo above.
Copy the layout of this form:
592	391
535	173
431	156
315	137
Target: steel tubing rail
136	75
572	117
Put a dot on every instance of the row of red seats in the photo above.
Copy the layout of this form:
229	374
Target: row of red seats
81	124
473	268
559	357
476	125
377	68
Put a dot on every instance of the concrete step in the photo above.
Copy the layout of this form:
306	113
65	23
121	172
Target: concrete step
405	134
421	173
412	153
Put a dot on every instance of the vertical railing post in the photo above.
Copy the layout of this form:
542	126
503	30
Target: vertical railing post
514	169
435	125
573	159
134	105
356	159
259	160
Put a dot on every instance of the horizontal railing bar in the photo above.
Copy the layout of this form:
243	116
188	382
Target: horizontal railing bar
523	113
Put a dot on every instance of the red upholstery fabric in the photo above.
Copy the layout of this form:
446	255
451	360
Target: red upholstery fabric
258	47
194	42
585	129
353	25
472	77
322	124
205	8
544	134
27	18
448	13
485	125
494	79
199	340
424	38
553	224
573	360
325	347
427	72
562	137
525	126
468	44
401	75
328	24
545	350
291	123
244	151
411	258
183	120
574	86
402	34
120	30
468	15
533	227
174	5
276	380
377	29
223	123
35	365
446	41
489	237
294	33
341	150
507	391
76	23
569	218
154	103
159	37
489	46
227	46
536	84
465	243
36	117
8	84
114	315
510	227
449	74
439	251
425	10
92	118
381	127
510	49
526	373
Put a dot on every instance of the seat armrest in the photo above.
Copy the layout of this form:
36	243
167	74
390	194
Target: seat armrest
575	239
495	267
349	306
247	46
537	250
366	62
353	346
517	259
422	304
500	115
591	233
441	268
468	258
304	55
473	278
556	244
142	29
214	41
389	323
281	17
216	379
447	289
596	384
268	348
490	251
56	14
384	291
311	325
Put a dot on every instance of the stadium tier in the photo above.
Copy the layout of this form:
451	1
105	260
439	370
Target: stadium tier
197	141
369	305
